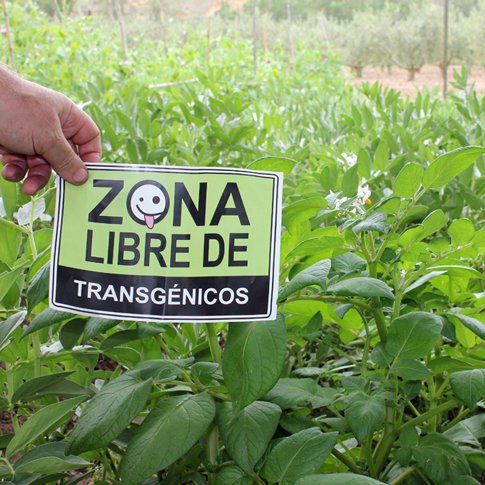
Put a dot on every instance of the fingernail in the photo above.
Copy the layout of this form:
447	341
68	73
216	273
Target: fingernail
80	176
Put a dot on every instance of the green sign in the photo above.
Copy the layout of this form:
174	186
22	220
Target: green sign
168	243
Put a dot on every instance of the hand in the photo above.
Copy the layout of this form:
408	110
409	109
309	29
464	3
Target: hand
42	129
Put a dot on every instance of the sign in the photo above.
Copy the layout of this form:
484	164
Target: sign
168	244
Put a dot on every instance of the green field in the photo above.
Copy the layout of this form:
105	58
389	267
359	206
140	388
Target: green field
373	371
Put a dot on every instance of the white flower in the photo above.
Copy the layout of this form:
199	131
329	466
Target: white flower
351	159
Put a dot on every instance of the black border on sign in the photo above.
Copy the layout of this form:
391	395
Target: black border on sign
274	255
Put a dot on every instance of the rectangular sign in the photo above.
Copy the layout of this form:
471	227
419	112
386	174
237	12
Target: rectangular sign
168	244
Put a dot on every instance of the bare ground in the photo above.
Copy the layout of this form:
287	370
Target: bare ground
428	77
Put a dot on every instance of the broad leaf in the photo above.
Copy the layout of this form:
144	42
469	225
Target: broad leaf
247	433
374	222
338	479
71	332
173	426
38	289
108	413
52	384
410	369
413	335
361	286
253	358
440	459
47	459
274	164
8	326
290	392
96	326
365	414
45	319
469	386
297	455
477	327
7	280
446	167
408	180
423	280
314	275
46	419
232	475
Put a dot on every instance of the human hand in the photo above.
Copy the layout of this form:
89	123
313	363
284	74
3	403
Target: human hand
40	130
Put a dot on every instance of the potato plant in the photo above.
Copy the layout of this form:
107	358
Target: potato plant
374	370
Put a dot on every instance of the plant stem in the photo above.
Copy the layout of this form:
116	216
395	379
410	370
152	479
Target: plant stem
400	478
442	408
384	447
333	299
214	342
212	450
37	354
347	461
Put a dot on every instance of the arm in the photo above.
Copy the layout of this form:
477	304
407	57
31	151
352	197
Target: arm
40	130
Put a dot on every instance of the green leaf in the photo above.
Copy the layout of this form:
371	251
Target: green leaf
297	455
247	433
11	243
469	386
38	289
95	326
71	332
45	319
413	335
108	413
461	232
469	431
184	419
124	336
274	164
446	167
348	263
8	326
232	475
374	222
350	182
410	369
423	280
44	420
47	459
290	392
365	414
433	223
7	280
8	192
440	458
408	180
381	156
52	384
474	325
253	358
314	275
361	286
338	479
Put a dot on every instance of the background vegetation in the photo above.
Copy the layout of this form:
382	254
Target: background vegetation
374	371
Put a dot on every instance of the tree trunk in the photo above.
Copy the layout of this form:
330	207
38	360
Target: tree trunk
121	23
411	73
444	70
8	34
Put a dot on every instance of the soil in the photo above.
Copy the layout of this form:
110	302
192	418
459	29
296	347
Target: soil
427	77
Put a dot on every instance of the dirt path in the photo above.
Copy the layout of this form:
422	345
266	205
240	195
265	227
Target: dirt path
429	77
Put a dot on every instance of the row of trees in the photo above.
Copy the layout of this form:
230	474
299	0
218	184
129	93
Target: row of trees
383	33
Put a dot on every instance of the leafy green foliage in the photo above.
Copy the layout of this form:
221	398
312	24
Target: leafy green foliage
373	370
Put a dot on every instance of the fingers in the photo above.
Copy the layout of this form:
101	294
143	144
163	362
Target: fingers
15	167
39	172
81	129
64	160
34	171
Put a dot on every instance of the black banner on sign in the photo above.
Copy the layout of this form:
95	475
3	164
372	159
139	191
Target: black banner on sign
114	295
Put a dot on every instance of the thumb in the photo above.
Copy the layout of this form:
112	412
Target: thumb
65	161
